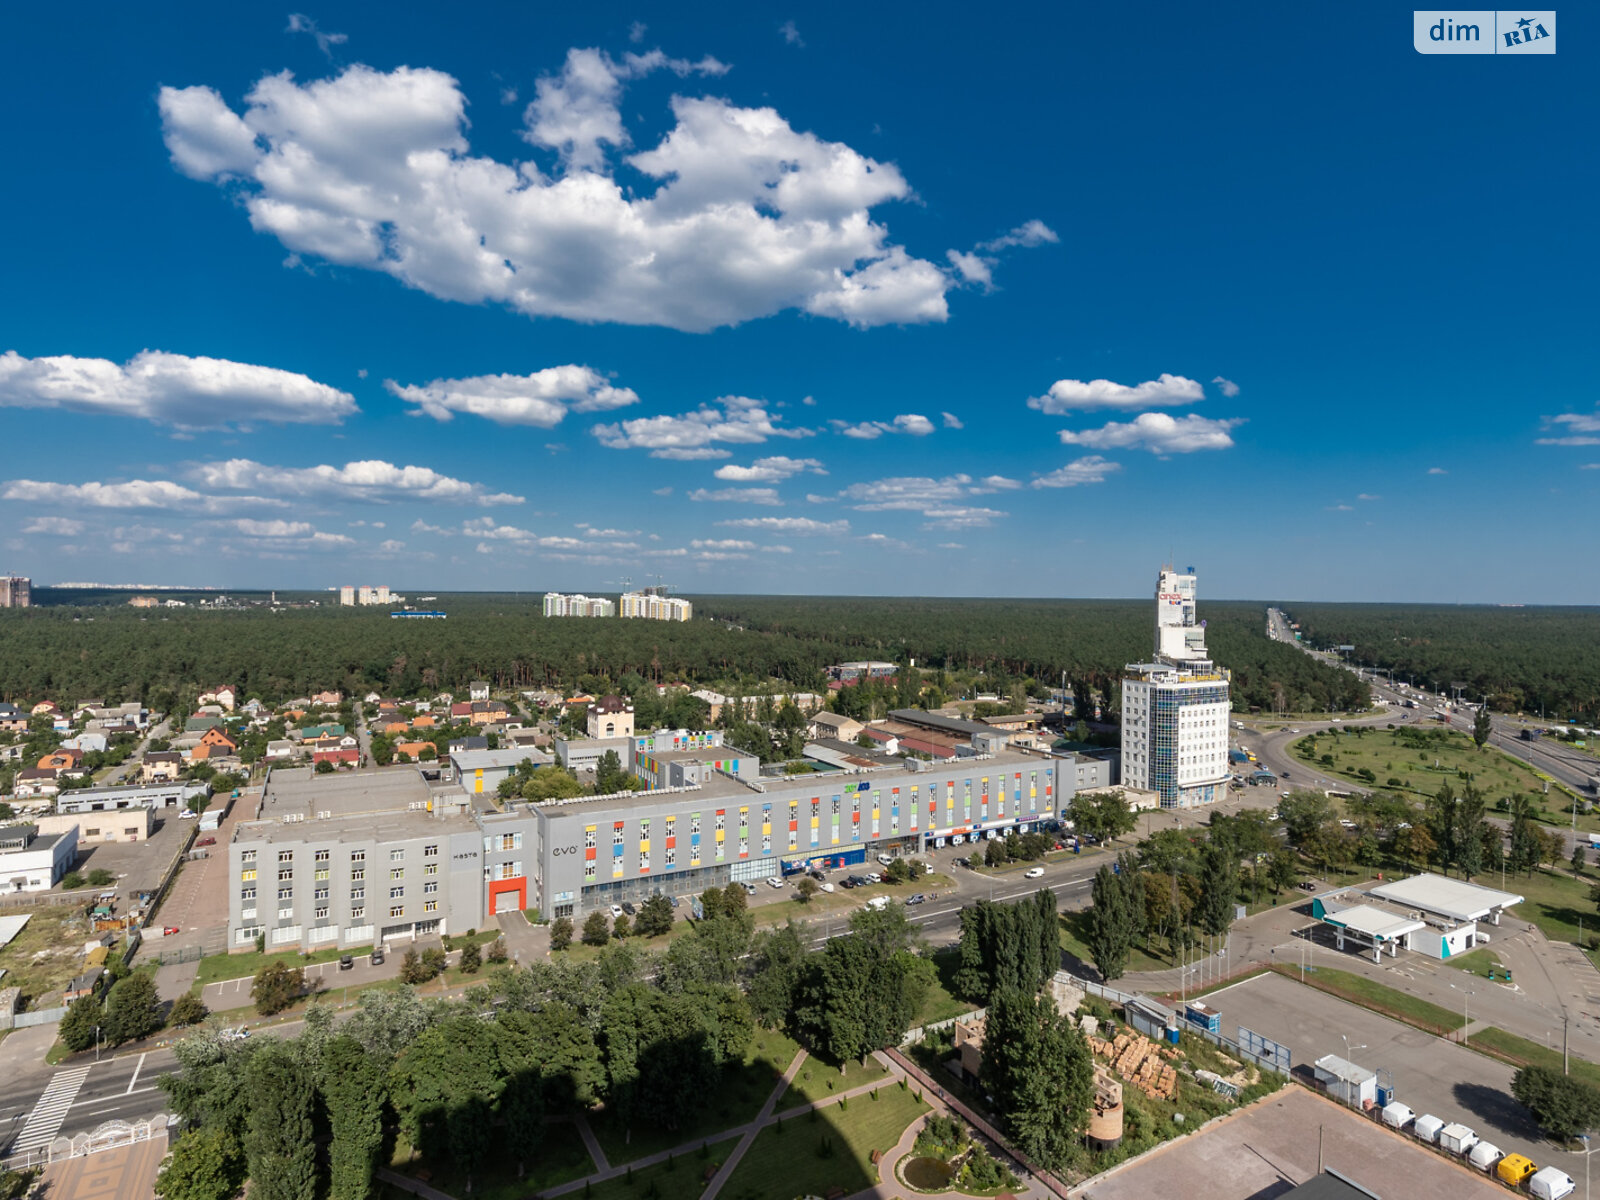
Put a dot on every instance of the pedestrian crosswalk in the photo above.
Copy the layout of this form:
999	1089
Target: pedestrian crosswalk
45	1120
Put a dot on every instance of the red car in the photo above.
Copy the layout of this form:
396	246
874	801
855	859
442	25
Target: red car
206	841
169	930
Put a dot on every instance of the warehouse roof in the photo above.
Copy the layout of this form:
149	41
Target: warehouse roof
486	760
1443	897
932	720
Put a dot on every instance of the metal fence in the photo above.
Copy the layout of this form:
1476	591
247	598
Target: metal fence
42	1016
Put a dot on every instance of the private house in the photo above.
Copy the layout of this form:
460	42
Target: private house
200	722
426	721
337	755
327	699
412	750
825	725
283	751
224	696
478	689
65	760
87	743
214	744
396	727
161	766
36	781
12	719
44	708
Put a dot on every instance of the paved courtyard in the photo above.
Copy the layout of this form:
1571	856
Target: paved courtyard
1429	1074
1272	1147
127	1173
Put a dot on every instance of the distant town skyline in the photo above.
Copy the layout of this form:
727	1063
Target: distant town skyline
887	302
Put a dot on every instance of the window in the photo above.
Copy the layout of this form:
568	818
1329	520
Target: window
248	893
722	821
320	894
430	851
357	856
431	869
285	856
358	874
429	889
397	910
588	838
321	856
397	893
248	856
672	826
397	855
397	872
322	872
588	869
511	841
430	906
358	893
672	855
247	875
357	913
694	823
285	875
286	893
616	835
322	914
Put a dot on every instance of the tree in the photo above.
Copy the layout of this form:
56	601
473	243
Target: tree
497	952
471	958
655	917
621	927
411	969
1111	924
778	958
277	985
1470	821
806	888
609	777
1414	844
132	1009
205	1164
1303	814
898	871
1481	726
1037	1066
1442	824
561	933
1562	1105
1580	858
324	767
279	1139
78	1024
187	1009
100	877
596	929
735	899
1525	844
353	1092
1219	885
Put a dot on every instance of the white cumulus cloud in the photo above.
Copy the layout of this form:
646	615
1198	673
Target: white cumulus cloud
1080	471
1227	387
1159	433
737	420
372	479
171	389
951	421
1075	395
737	495
943	501
731	216
541	399
800	526
134	494
56	526
914	424
769	470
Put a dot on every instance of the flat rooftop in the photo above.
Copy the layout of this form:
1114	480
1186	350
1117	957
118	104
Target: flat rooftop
1453	898
300	791
357	828
484	760
1369	919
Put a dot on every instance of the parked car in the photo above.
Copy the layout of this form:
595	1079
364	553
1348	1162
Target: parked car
616	911
1033	873
750	889
187	814
874	877
169	930
346	962
775	882
825	886
885	859
627	907
377	956
672	900
206	841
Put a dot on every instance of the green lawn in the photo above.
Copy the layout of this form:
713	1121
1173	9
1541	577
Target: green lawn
942	1002
1358	989
561	1157
1522	1052
819	1081
1555	902
215	968
1074	925
736	1100
683	1178
1421	771
805	1157
1478	962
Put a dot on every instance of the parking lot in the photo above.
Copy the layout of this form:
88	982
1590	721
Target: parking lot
138	866
1428	1073
1272	1147
198	902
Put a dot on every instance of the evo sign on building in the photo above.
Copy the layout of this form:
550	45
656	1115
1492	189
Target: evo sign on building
1484	31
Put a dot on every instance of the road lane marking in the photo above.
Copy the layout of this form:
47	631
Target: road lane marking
44	1122
139	1066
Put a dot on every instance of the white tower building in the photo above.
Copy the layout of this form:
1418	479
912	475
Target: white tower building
1175	708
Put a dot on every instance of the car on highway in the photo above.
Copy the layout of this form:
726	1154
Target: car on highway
916	898
1033	873
237	1034
1294	731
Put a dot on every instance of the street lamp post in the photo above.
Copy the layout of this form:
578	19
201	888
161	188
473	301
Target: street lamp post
97	1043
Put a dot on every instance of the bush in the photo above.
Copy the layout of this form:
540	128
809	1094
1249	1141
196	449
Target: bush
434	962
72	881
596	929
471	958
560	933
100	877
621	927
187	1009
496	953
277	986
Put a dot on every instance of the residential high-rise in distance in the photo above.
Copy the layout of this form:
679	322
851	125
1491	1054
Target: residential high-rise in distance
654	604
563	604
347	596
1175	708
16	591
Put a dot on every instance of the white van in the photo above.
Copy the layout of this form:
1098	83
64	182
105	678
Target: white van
1552	1183
878	902
1427	1128
1397	1115
1484	1156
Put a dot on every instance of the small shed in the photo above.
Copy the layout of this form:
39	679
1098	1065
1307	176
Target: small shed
1346	1082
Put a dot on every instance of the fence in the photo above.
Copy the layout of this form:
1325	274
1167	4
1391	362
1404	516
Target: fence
42	1016
112	1135
916	1035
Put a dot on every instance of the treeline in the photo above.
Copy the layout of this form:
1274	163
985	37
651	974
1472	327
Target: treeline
72	651
1523	659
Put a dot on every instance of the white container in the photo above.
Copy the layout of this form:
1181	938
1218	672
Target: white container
1552	1183
1457	1139
1427	1128
1397	1115
1484	1156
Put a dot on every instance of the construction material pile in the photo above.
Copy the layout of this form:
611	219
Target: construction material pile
1140	1061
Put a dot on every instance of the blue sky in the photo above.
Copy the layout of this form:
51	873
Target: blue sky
797	300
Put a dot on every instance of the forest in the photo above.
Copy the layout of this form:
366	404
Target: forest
1522	659
74	645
